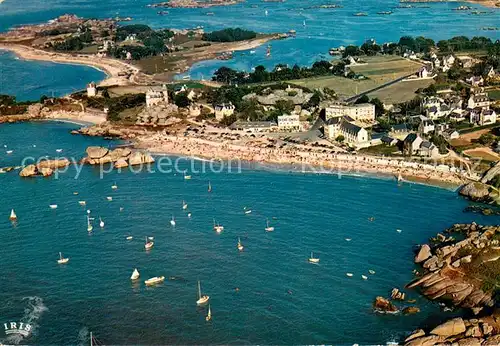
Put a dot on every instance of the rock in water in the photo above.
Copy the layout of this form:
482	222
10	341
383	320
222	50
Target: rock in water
121	163
28	171
410	310
430	340
96	152
423	254
416	334
475	191
450	328
53	164
46	172
384	305
139	158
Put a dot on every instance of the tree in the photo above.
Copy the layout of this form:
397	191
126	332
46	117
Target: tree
105	93
181	100
362	99
379	106
487	139
340	138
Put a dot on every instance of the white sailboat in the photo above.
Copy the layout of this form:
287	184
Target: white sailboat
109	198
101	223
266	12
59	150
82	202
9	151
89	224
371	272
53	206
312	259
189	215
209	314
149	244
400	177
209	187
201	299
172	222
364	277
13	215
184	205
247	211
304	23
218	227
114	186
268	228
240	246
130	237
62	260
186	176
135	274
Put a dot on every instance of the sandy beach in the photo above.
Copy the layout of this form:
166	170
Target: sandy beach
305	160
117	71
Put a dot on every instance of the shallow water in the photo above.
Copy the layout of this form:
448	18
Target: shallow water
325	28
281	299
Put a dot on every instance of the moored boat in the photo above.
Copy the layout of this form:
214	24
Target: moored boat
269	228
149	244
240	246
135	275
154	280
313	259
202	299
13	215
62	260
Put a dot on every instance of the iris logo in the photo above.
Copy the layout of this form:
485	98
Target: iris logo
21	328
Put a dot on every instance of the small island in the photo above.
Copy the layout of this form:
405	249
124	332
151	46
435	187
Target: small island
195	3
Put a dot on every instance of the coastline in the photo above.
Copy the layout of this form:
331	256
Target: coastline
114	69
485	3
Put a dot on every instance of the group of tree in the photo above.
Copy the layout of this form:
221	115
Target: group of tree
229	35
75	42
279	73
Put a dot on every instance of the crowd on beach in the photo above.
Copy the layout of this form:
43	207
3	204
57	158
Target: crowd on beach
310	159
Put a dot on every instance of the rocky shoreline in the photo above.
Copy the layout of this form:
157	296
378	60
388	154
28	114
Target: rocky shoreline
459	270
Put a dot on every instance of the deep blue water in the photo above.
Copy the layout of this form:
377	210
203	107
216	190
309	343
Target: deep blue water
281	299
29	80
325	28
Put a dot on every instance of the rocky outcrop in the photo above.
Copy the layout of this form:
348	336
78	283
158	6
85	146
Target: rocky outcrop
423	254
53	164
450	328
28	171
410	310
107	130
476	191
446	278
384	305
121	157
491	174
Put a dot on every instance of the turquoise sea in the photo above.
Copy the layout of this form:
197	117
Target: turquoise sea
282	299
324	28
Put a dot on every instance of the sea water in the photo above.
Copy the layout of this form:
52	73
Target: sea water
267	294
323	29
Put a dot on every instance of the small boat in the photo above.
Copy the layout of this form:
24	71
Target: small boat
349	274
268	228
209	187
114	186
34	145
155	280
210	13
201	299
360	14
135	274
312	259
400	178
189	215
151	238
240	246
53	206
109	198
209	314
348	239
13	215
399	231
248	211
89	224
75	193
186	176
364	277
386	13
149	244
121	209
59	150
218	227
82	202
184	205
62	260
252	52
130	237
172	222
9	151
101	223
371	271
266	12
268	52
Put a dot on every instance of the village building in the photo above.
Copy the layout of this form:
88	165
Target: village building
399	131
428	149
91	90
411	144
223	110
156	97
289	123
482	116
364	112
457	115
437	112
479	100
426	126
353	135
451	134
475	81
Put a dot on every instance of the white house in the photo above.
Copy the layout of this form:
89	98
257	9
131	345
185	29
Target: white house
289	122
428	149
479	100
475	81
353	134
431	101
426	126
411	144
91	90
359	112
434	113
156	97
224	110
457	115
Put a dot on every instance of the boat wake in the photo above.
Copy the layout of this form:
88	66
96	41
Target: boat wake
83	336
32	313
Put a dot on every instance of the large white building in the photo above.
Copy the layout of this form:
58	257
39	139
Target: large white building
359	112
479	100
289	122
224	110
353	135
156	97
91	90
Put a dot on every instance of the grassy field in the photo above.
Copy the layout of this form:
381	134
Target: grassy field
483	154
400	92
379	70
